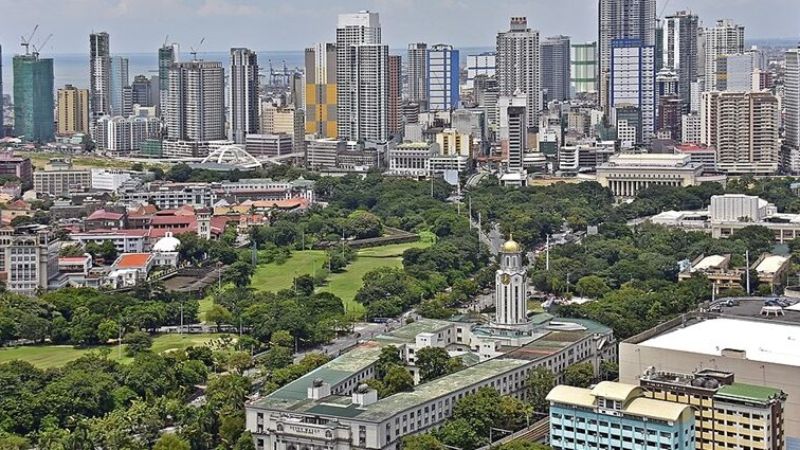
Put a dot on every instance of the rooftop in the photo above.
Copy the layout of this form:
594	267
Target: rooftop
630	395
748	392
771	264
132	260
709	262
773	342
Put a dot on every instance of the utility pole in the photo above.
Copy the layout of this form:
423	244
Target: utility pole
547	254
181	331
747	269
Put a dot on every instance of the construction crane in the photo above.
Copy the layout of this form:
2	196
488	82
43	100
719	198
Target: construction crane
194	50
663	8
36	48
26	42
166	39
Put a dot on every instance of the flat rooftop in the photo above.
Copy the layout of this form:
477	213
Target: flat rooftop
772	342
748	392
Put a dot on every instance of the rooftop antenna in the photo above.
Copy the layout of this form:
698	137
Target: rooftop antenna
194	50
26	42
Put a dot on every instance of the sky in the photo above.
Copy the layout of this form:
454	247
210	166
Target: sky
291	25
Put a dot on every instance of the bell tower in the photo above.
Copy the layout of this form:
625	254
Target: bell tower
511	281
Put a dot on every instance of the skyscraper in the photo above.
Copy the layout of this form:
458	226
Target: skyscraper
362	78
99	74
724	38
791	98
243	94
680	51
143	92
518	66
443	71
33	98
513	133
395	92
195	108
583	59
417	62
120	94
167	55
321	90
743	127
555	67
73	110
622	19
632	86
2	106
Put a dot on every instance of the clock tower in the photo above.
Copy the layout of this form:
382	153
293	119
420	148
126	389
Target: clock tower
511	281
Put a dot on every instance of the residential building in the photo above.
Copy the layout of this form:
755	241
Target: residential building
691	128
120	93
395	93
167	56
622	19
633	85
195	108
513	136
269	145
453	142
724	38
627	174
760	351
743	127
679	43
243	94
443	78
121	134
583	68
320	62
518	66
617	416
33	98
669	123
73	110
555	68
28	258
143	93
362	78
99	74
481	64
417	73
739	72
791	104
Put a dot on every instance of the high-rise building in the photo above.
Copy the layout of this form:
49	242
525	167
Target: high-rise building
362	78
2	106
724	38
791	98
443	72
321	90
99	74
679	43
120	94
555	68
243	94
195	108
632	86
73	110
583	73
417	72
622	19
481	64
142	91
513	135
743	127
617	416
736	72
167	55
33	98
395	92
518	66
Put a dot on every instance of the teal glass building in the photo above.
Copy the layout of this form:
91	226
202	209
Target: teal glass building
33	98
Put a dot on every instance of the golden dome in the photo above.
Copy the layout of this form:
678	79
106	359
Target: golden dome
511	246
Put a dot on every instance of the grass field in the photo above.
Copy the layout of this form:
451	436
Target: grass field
39	159
274	277
46	356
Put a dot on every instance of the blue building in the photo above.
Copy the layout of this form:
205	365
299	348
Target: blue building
33	98
443	71
633	84
617	416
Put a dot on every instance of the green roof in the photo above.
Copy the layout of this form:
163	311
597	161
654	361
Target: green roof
749	392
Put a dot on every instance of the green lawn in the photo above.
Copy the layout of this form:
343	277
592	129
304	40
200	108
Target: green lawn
46	356
274	277
205	304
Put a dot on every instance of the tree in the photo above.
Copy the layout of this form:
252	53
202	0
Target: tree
13	442
171	442
432	363
462	434
107	330
540	382
591	286
239	273
282	338
390	356
397	379
219	315
758	239
71	250
277	357
108	251
179	173
227	392
609	370
137	342
579	375
304	285
422	442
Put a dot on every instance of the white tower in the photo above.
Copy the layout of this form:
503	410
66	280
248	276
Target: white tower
511	281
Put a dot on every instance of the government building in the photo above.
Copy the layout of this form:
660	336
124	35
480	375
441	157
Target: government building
332	408
627	174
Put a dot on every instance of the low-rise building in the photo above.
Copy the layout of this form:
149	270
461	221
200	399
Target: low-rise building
584	157
28	258
60	178
411	159
617	416
16	166
627	174
130	269
717	269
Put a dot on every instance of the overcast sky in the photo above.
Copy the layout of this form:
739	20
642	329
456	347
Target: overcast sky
141	25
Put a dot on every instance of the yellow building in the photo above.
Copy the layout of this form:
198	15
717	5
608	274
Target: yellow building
73	110
452	143
321	117
727	414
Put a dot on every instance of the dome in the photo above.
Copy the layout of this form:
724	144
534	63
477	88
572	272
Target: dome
168	243
511	246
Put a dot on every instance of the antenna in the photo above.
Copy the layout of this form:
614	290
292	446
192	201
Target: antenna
26	42
194	50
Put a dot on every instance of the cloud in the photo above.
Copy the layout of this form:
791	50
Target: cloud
227	8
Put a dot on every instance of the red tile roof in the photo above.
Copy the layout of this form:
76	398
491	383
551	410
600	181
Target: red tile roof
132	260
102	214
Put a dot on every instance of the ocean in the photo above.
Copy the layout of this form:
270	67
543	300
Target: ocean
73	68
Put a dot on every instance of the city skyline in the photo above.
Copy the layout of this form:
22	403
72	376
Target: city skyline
262	25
